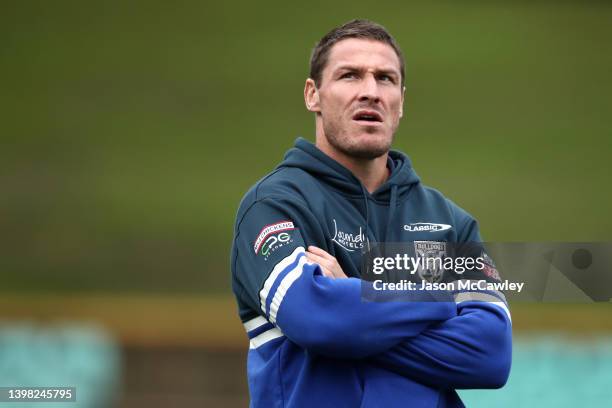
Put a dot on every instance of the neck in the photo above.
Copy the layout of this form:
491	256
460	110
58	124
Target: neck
371	172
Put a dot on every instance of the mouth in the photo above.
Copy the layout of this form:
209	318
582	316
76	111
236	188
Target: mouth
368	117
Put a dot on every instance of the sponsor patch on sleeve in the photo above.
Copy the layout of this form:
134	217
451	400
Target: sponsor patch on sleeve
269	231
489	268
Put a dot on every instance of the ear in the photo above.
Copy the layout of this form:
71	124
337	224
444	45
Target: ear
401	112
311	96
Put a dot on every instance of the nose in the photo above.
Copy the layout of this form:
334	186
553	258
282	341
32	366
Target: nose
369	89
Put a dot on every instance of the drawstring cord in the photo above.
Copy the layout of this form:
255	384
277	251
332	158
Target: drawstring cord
392	205
367	211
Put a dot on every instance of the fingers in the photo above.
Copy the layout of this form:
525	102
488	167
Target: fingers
320	252
327	272
328	263
324	263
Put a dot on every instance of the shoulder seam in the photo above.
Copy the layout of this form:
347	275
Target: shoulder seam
264	179
256	201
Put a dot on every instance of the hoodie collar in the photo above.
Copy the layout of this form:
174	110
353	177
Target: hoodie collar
306	156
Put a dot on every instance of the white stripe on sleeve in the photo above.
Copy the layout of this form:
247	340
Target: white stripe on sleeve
483	297
265	337
278	268
471	282
284	286
254	323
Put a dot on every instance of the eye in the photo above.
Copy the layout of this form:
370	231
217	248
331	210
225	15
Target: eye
348	75
386	78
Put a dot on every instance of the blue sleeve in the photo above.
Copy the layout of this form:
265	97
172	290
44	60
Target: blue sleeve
323	315
471	350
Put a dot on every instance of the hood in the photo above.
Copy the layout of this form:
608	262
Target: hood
306	156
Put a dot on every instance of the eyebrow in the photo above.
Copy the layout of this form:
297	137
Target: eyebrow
387	71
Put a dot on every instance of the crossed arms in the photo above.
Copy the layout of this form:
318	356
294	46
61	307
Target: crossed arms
429	336
438	343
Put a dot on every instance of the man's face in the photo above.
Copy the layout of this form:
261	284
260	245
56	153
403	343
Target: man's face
360	97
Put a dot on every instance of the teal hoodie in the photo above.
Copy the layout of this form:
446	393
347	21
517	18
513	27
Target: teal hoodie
315	341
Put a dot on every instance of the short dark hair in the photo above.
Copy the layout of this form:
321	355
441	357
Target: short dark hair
358	28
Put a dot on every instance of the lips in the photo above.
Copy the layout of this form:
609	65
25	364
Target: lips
369	116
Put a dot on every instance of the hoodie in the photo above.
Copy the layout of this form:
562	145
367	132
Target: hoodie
315	341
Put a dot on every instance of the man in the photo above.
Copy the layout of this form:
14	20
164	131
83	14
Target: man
300	232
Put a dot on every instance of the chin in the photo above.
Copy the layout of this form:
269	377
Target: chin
374	141
360	143
369	149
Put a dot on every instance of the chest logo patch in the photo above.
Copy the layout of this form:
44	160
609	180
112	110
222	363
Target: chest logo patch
426	227
350	241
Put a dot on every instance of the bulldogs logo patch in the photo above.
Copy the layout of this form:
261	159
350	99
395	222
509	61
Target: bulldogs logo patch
430	271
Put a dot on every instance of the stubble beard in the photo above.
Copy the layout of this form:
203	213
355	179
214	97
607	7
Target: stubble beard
340	140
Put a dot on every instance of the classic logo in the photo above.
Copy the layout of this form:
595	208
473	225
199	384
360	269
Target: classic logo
430	271
270	230
426	227
348	241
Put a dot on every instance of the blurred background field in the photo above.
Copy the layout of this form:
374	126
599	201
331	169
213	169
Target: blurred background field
130	131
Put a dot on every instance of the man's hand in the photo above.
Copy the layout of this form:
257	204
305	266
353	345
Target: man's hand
330	266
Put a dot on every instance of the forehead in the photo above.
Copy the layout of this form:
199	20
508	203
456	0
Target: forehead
363	53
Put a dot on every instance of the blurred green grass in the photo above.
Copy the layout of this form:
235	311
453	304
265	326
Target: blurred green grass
130	132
